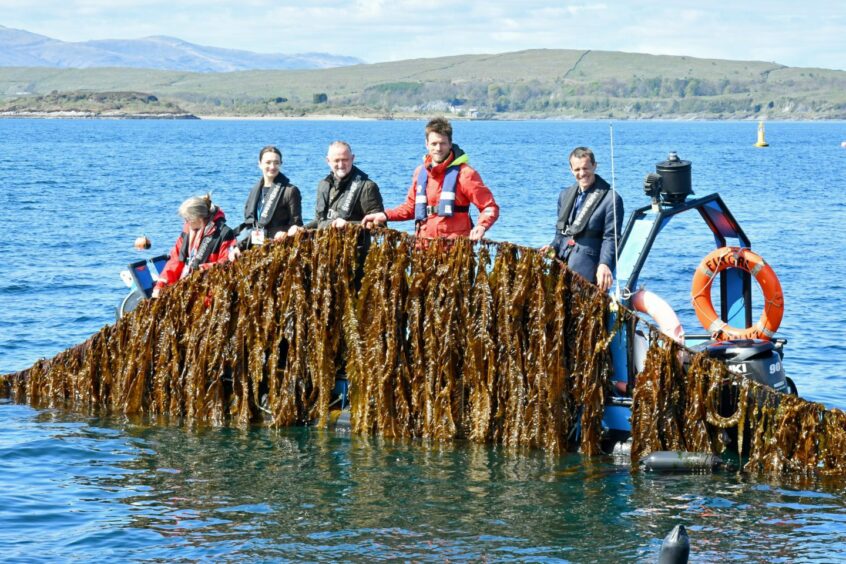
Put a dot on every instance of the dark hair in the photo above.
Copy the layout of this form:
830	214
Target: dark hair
268	149
580	153
440	126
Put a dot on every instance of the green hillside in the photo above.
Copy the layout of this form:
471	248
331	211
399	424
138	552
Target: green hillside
536	83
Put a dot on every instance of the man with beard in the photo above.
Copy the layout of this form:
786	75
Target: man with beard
347	193
441	192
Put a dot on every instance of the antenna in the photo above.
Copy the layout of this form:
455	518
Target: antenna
614	211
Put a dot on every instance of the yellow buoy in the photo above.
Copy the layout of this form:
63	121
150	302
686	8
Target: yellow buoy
761	141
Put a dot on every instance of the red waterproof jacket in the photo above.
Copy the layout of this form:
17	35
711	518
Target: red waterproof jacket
469	188
217	251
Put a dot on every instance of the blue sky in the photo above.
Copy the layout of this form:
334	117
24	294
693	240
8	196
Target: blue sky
809	34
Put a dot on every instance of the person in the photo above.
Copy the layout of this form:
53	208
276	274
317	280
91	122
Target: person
347	193
442	189
590	220
205	240
274	204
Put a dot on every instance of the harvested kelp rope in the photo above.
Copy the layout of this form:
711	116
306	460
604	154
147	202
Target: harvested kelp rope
703	407
376	330
443	340
668	410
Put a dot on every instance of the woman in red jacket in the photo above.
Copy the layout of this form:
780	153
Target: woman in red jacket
204	241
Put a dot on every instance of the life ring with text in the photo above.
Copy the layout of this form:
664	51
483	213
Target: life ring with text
744	259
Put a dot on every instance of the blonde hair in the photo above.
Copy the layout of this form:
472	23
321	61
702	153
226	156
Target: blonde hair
197	207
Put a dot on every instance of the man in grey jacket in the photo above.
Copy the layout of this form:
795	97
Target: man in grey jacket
590	220
347	194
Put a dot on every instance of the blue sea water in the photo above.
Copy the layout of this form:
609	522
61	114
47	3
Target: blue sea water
75	194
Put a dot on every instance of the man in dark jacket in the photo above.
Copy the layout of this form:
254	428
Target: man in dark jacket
590	220
346	194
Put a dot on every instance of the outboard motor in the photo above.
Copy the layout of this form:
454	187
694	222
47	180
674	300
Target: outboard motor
756	359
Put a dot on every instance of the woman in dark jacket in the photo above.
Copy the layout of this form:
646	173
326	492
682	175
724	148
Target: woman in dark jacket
204	241
274	204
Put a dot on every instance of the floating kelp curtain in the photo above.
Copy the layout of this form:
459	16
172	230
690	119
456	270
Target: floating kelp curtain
442	341
447	340
449	347
682	410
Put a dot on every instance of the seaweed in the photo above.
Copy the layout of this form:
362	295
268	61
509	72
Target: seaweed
439	340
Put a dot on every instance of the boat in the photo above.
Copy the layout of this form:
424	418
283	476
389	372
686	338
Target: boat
753	352
140	277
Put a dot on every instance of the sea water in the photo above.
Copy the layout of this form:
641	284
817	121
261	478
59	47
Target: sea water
75	194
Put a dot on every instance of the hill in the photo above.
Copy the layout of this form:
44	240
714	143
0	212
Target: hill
534	83
22	48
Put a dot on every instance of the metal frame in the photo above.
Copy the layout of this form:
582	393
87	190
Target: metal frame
641	231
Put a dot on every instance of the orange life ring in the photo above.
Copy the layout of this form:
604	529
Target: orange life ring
743	258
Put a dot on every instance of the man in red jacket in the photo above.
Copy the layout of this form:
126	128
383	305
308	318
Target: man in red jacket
441	192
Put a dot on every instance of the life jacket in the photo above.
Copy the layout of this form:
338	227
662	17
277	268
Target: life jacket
446	203
576	228
258	215
214	234
270	202
352	196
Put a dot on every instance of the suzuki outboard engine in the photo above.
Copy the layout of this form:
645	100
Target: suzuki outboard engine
756	359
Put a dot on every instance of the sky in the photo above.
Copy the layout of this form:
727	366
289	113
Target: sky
805	34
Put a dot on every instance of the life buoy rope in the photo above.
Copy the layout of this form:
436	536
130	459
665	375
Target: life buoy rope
744	259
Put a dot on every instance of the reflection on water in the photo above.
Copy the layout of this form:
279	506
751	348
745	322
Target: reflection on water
169	492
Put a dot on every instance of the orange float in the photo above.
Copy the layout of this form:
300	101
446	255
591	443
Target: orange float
744	259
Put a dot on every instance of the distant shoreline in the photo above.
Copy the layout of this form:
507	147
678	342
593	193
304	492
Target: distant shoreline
83	115
533	84
77	114
315	117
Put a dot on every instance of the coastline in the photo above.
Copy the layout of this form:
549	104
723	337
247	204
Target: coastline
79	114
315	117
117	115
